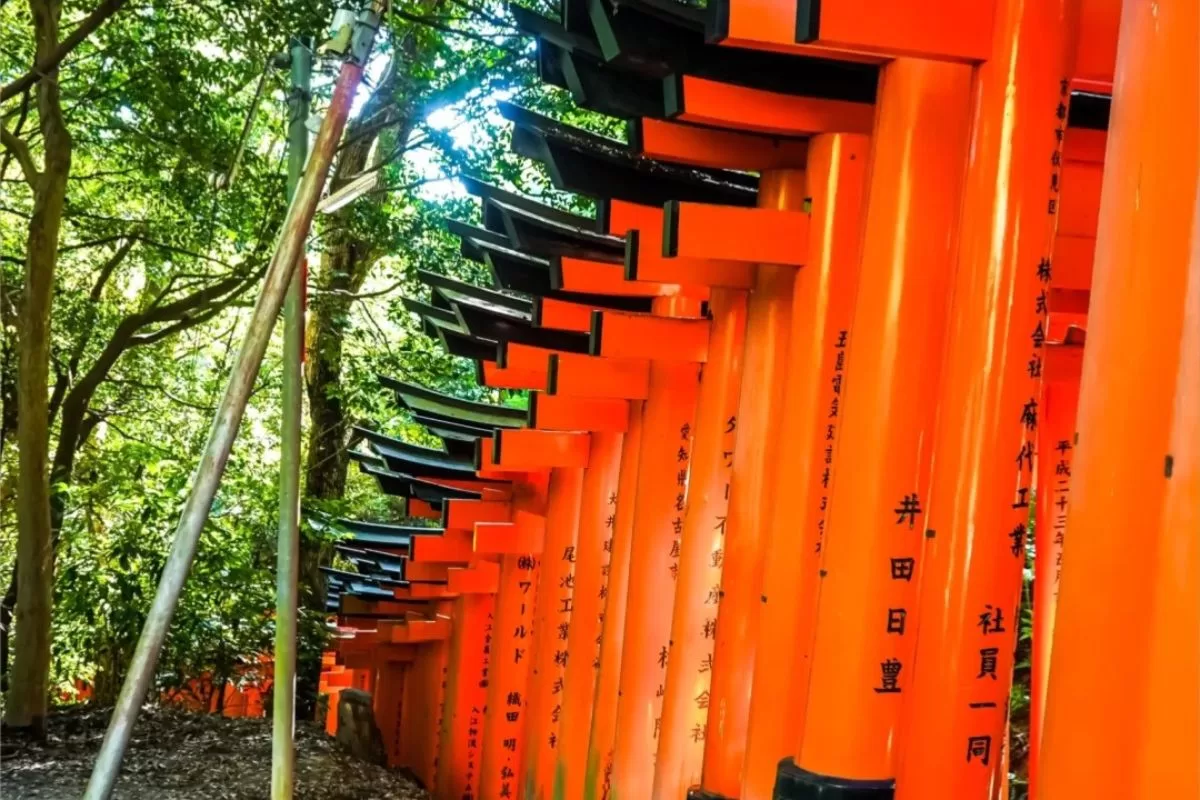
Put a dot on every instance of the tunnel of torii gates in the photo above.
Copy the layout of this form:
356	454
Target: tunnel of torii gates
800	392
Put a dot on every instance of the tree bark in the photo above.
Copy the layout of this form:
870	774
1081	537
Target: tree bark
29	686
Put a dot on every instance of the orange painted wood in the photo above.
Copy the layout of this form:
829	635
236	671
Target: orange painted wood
822	310
422	708
710	147
1073	260
421	509
573	375
462	515
722	105
419	571
986	438
389	708
551	628
1135	325
528	448
1096	49
1079	204
525	534
752	495
877	502
595	277
483	577
496	377
1056	454
549	312
597	520
931	29
1084	145
598	775
458	773
504	725
617	334
730	233
663	466
700	553
597	414
452	546
1171	729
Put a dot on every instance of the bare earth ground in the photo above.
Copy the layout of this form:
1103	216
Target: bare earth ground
182	756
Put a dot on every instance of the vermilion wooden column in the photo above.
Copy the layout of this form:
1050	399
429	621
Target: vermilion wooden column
424	693
822	313
551	629
612	635
662	475
1171	724
462	716
508	676
752	495
1056	453
597	521
701	552
866	615
1102	634
989	414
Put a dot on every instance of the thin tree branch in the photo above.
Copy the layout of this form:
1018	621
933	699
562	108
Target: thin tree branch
47	65
15	145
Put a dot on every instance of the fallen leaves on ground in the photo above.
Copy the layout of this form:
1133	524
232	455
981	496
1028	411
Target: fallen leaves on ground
176	755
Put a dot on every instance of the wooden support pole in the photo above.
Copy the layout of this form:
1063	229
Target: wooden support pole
865	627
822	310
1102	636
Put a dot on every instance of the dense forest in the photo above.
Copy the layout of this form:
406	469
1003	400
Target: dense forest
141	185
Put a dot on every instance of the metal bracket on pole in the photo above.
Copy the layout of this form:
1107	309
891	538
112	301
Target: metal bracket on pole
353	31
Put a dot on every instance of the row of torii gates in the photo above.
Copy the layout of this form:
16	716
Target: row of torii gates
868	282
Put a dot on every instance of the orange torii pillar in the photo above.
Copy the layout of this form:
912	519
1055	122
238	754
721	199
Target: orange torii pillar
1068	298
585	381
1170	726
462	711
774	236
676	346
984	447
606	420
1106	631
565	455
701	551
1055	447
822	314
517	545
602	734
865	627
701	505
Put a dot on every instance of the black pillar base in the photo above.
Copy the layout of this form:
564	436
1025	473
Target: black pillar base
696	793
793	783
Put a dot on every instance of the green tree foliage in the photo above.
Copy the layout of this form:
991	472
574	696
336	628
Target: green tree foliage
173	192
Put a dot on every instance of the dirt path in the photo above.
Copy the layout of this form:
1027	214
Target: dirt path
181	756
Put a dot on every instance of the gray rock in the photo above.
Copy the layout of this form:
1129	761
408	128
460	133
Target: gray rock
357	732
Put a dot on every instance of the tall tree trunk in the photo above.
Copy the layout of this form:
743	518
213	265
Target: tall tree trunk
344	266
29	687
